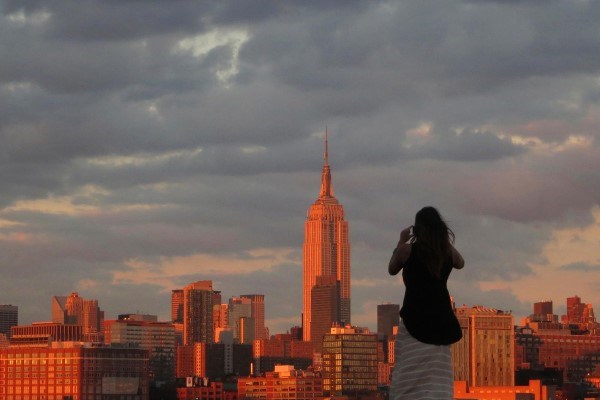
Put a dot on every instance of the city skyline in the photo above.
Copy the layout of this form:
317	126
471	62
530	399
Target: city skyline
145	147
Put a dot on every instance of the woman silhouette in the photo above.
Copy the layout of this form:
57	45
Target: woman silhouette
428	325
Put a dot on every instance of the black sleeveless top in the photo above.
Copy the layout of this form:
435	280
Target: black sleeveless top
427	310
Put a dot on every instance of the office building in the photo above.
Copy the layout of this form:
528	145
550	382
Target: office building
257	313
214	360
388	316
326	249
285	382
177	306
40	334
69	370
59	309
158	338
349	362
198	313
76	310
485	354
9	317
281	349
325	309
572	348
239	307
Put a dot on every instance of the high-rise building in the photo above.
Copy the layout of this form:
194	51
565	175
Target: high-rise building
198	313
9	317
156	337
388	316
177	306
76	310
239	307
349	362
59	309
581	314
485	354
325	308
326	249
257	311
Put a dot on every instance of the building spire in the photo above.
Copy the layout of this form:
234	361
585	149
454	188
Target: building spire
326	188
326	148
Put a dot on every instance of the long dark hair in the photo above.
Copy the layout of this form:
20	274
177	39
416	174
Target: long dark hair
434	237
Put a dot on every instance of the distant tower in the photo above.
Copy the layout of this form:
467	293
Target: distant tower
388	316
325	308
9	317
239	307
258	314
177	306
198	313
80	311
326	248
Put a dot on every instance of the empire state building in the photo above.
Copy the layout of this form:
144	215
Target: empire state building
326	261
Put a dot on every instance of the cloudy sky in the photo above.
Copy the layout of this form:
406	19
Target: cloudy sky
145	145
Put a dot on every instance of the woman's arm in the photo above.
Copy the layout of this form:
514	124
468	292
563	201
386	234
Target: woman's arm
457	260
401	252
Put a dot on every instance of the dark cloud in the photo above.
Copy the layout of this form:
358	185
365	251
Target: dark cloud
468	146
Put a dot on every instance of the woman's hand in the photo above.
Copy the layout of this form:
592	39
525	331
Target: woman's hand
406	235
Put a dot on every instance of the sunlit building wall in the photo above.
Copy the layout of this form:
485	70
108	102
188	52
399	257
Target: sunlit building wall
284	382
70	370
198	313
257	312
485	354
349	362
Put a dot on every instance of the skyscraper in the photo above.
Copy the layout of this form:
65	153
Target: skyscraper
198	313
325	308
257	308
326	248
388	316
9	317
239	307
177	306
485	354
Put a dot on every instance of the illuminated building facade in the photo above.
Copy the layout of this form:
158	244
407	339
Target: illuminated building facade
239	307
349	362
284	382
485	354
257	313
40	334
73	371
198	313
326	249
177	306
281	349
533	391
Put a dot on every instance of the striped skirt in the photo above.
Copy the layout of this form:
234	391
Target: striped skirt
421	371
